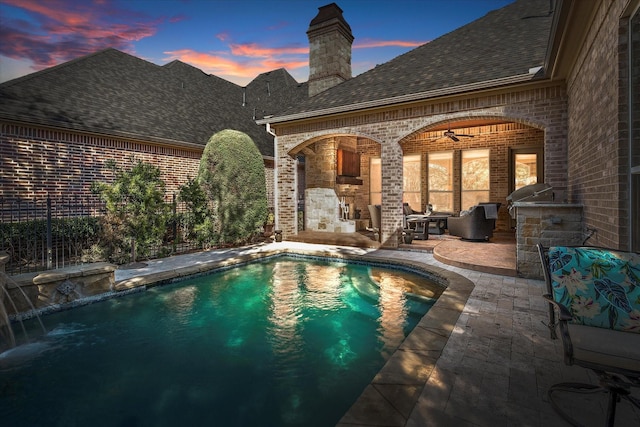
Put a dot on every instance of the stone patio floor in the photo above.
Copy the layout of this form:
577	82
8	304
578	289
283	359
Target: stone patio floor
480	357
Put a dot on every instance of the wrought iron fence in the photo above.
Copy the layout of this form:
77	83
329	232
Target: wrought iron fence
49	233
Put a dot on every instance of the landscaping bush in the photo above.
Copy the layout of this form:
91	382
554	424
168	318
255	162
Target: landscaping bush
231	173
25	241
196	222
136	218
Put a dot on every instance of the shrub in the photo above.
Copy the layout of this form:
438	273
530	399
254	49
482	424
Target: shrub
136	213
232	175
196	222
26	240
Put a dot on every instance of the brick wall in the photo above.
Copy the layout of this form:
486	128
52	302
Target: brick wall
537	115
269	177
597	123
35	162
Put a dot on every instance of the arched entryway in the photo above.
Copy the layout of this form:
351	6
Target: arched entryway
487	150
455	164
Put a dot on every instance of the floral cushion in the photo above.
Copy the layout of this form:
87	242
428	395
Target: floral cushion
600	287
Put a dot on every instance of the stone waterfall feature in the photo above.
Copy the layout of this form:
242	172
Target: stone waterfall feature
26	294
322	212
7	337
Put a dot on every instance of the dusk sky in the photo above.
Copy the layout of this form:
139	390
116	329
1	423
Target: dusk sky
233	39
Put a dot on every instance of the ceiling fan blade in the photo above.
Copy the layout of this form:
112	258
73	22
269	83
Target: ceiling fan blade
454	138
468	136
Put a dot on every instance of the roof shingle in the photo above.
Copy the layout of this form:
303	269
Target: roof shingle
504	43
113	93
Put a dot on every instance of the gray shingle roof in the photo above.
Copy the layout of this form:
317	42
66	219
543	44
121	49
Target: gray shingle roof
113	93
504	43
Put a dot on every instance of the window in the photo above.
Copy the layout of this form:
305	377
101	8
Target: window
525	169
375	182
411	181
440	182
475	177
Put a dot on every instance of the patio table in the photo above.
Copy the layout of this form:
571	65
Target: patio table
420	224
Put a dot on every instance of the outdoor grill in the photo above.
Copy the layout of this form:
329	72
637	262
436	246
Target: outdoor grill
540	192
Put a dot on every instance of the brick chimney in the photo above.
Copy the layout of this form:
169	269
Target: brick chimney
330	42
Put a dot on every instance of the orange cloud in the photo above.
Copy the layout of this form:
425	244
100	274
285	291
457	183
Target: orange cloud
254	50
240	69
56	32
54	10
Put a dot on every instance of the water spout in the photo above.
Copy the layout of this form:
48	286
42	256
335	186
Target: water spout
7	338
7	335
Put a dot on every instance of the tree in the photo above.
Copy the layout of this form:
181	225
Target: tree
232	175
136	212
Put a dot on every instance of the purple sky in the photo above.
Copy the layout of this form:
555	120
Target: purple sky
233	39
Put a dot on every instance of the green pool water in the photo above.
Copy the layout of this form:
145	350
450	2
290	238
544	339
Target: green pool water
281	342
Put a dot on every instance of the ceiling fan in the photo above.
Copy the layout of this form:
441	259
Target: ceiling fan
450	134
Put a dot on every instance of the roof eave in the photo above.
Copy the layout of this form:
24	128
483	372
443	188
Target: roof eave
571	22
116	134
101	132
412	97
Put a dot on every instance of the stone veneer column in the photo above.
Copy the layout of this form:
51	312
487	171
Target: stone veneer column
551	224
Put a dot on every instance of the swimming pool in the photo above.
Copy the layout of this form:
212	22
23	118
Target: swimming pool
281	342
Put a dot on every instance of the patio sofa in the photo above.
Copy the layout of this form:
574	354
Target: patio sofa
477	224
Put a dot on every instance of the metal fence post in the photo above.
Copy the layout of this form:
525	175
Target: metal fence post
175	222
49	235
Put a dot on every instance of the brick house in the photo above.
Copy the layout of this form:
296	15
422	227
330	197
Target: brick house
541	91
59	126
536	91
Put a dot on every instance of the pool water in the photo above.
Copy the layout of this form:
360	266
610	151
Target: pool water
281	342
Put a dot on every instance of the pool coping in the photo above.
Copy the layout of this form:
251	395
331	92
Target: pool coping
394	392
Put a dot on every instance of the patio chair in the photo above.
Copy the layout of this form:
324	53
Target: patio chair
594	304
374	212
406	211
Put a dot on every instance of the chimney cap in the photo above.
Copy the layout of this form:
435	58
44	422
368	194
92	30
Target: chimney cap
327	13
